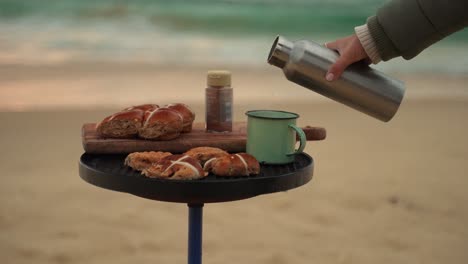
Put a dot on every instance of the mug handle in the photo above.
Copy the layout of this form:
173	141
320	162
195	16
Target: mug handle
302	138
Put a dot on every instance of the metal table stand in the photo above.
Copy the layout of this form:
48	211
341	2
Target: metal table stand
109	172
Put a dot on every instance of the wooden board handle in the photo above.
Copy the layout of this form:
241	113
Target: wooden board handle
314	133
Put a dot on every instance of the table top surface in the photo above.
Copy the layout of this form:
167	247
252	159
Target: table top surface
109	172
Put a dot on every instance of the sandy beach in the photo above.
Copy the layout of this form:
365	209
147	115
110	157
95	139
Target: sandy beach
381	193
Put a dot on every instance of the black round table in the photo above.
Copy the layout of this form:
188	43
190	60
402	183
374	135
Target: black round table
109	172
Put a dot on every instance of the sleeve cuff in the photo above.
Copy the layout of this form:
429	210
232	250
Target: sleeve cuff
368	43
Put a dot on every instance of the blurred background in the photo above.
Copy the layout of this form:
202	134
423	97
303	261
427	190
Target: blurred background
234	32
382	192
86	40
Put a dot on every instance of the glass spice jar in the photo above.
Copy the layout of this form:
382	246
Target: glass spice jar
218	102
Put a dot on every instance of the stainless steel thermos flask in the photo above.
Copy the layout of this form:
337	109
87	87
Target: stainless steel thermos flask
360	87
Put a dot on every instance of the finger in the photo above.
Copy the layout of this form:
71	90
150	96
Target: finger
332	45
335	71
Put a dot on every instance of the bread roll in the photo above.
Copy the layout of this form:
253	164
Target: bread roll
142	160
176	167
202	154
240	164
187	114
162	124
143	107
124	124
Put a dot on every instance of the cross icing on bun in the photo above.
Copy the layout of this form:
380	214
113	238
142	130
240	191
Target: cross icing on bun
162	124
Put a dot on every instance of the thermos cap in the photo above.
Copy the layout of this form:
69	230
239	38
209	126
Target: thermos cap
218	78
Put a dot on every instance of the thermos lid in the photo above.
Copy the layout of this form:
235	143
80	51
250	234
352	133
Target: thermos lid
218	78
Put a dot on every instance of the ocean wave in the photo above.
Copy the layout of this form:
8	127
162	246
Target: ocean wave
236	32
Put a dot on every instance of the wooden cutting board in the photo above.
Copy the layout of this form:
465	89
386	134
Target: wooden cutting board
234	141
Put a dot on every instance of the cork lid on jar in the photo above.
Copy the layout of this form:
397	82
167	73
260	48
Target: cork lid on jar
218	78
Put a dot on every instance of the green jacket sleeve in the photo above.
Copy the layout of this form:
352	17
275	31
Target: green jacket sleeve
406	27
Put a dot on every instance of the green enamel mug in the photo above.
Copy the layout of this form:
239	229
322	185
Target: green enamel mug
271	136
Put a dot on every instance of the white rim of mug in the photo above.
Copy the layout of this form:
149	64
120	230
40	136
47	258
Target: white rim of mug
250	113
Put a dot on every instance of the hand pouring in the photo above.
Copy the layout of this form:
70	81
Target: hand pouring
360	87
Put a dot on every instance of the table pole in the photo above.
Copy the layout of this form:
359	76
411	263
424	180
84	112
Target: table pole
195	230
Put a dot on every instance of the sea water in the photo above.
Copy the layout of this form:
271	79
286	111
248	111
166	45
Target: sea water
191	32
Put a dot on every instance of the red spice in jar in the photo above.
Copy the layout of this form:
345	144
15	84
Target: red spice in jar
218	102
